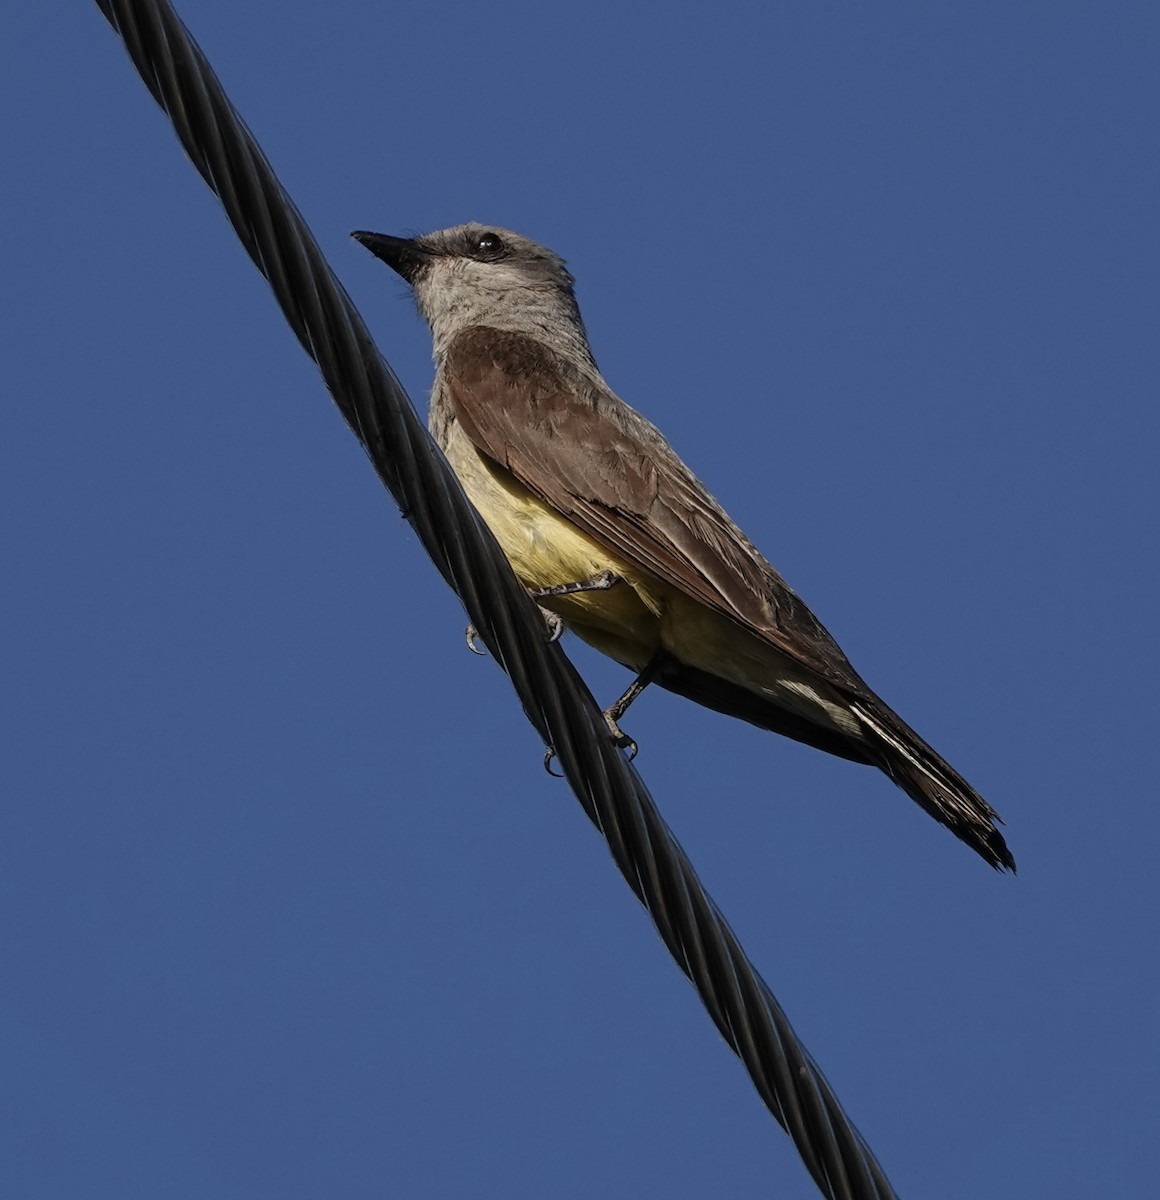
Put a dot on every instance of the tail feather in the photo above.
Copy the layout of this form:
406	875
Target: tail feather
930	780
887	742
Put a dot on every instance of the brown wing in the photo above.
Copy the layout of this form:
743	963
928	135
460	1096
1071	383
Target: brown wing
580	449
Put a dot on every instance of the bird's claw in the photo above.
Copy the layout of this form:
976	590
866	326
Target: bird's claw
553	621
555	624
620	739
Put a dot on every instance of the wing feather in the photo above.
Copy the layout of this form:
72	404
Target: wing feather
583	451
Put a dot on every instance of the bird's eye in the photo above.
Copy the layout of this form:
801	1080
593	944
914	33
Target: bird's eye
489	245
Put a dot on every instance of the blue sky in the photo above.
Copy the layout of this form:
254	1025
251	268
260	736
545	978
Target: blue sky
288	907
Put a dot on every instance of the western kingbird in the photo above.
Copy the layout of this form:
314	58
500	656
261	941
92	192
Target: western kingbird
610	531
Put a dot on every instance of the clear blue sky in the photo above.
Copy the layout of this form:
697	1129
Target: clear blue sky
288	907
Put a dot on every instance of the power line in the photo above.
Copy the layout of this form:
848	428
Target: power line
553	696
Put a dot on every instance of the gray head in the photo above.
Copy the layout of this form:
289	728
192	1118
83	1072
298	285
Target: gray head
474	274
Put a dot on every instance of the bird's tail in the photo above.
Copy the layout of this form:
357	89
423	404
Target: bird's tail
931	781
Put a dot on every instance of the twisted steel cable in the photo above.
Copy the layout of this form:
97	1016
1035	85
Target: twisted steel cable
553	696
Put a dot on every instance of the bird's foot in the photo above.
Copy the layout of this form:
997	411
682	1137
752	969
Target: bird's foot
600	582
620	739
554	622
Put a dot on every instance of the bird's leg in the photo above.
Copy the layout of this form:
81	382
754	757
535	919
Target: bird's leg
599	582
614	712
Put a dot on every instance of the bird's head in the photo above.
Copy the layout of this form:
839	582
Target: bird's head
472	275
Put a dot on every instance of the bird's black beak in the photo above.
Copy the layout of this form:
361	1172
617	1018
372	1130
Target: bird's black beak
404	255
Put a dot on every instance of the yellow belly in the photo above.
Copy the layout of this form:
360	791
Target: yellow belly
545	548
635	618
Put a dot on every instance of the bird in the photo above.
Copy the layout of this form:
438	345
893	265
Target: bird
615	537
